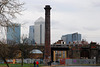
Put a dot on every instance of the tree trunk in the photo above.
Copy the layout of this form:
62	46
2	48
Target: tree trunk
5	62
22	62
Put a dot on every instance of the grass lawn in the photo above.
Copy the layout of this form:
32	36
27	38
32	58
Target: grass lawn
19	65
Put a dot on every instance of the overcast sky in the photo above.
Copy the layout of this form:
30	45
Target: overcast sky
67	17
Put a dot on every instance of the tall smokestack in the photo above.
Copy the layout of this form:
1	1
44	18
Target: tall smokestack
47	55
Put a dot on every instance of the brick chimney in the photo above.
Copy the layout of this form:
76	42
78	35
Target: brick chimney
47	54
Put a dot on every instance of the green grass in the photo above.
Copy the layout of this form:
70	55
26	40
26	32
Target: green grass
19	65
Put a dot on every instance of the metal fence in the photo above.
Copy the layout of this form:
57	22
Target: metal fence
27	61
80	61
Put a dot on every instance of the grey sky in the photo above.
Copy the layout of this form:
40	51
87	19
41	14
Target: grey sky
67	16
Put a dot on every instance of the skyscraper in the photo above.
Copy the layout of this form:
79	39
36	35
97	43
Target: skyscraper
31	34
67	38
76	37
71	37
39	31
13	33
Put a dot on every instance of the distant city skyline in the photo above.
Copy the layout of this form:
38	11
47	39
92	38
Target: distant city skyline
73	37
67	16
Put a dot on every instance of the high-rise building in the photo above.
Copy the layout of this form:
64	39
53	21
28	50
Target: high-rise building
39	31
31	34
71	37
13	33
76	37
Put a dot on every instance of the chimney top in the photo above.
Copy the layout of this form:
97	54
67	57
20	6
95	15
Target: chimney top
47	7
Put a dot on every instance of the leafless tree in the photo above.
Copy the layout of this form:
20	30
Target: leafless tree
4	51
8	51
25	51
13	51
25	48
8	9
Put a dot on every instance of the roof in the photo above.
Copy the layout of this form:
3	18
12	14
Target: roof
36	51
40	20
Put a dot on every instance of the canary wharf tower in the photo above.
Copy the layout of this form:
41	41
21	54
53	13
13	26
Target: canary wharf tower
47	54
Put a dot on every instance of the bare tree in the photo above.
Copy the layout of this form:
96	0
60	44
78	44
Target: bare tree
25	51
8	9
13	51
25	48
8	51
4	51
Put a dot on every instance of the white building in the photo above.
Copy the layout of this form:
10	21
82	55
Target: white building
39	31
